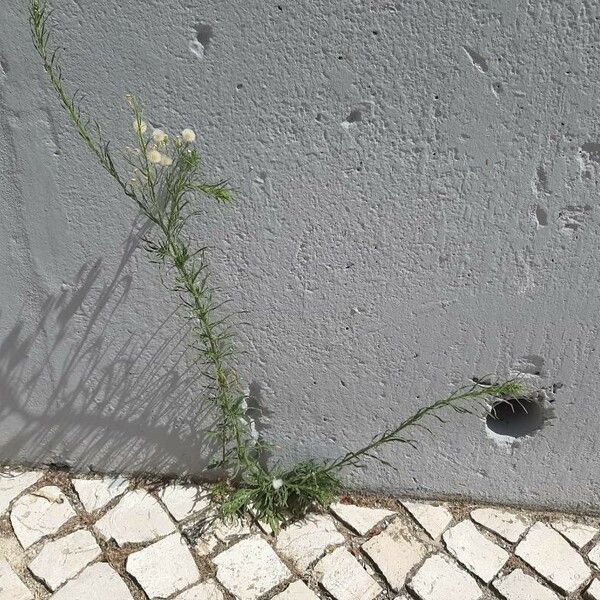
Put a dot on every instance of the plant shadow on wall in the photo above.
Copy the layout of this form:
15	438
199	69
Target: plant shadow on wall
161	175
127	405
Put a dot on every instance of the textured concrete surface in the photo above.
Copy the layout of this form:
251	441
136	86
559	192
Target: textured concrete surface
417	204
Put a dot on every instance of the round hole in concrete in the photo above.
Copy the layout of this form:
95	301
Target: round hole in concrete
515	417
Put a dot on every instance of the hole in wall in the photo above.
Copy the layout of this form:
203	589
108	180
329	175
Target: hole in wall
477	60
497	88
199	46
204	33
516	417
354	117
541	216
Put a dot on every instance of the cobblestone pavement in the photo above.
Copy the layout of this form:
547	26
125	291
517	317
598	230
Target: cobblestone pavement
70	538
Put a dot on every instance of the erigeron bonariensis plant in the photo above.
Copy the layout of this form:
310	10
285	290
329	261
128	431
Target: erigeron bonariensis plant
163	179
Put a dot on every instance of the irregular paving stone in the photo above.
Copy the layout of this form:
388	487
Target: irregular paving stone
519	586
183	501
11	586
250	568
344	577
433	519
481	556
163	568
395	552
553	557
297	591
62	559
233	529
440	579
507	525
97	493
98	581
360	518
138	517
306	541
205	545
39	514
577	533
203	591
593	592
12	484
594	555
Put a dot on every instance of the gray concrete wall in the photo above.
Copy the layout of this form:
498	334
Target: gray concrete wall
417	203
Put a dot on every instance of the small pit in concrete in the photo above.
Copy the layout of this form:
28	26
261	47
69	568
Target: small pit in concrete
516	417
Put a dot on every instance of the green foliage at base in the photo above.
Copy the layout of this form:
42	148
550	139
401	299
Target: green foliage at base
278	496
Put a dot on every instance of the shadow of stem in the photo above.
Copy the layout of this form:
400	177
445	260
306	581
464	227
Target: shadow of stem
99	398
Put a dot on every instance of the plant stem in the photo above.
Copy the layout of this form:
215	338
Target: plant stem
453	401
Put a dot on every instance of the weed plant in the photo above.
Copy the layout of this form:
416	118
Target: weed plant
161	174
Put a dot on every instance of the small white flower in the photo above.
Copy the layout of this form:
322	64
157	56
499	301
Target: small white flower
188	135
166	161
154	156
159	136
140	127
277	483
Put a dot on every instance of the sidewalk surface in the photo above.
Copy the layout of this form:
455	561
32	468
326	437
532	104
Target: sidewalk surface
70	538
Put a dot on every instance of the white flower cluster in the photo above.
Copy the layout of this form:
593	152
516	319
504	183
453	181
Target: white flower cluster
156	149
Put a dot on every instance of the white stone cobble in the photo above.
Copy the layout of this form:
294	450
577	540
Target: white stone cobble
593	591
62	559
344	577
164	568
95	494
11	585
519	586
579	534
250	569
432	518
594	555
472	549
13	483
98	581
360	518
220	532
184	501
304	542
395	552
546	551
39	514
297	591
138	517
208	590
507	525
441	579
